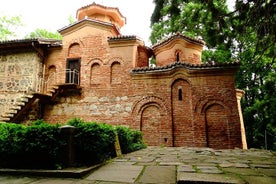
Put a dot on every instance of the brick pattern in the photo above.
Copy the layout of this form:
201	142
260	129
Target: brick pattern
180	107
182	113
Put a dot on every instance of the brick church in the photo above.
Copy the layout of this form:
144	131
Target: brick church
98	74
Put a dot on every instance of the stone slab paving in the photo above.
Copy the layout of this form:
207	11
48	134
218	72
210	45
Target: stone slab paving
176	165
117	172
158	174
190	178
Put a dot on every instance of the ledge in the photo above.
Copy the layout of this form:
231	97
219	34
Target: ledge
63	173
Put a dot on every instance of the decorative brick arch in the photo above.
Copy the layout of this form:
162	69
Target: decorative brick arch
138	106
179	76
115	72
115	59
95	73
74	50
94	60
215	116
204	103
150	115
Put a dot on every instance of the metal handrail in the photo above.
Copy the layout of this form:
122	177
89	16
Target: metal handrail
71	77
41	85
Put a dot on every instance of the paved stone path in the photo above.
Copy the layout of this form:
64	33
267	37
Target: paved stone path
175	165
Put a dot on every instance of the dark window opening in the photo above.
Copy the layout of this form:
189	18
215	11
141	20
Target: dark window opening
179	94
177	56
72	71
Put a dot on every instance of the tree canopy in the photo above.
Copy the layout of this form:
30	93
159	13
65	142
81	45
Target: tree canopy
8	27
247	34
43	33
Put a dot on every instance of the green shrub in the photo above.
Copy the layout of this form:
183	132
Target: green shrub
130	140
44	146
36	146
10	147
75	122
94	142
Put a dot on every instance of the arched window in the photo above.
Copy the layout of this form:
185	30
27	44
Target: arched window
180	94
115	73
95	73
177	56
74	51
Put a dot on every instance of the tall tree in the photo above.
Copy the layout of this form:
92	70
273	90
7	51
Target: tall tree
254	25
246	34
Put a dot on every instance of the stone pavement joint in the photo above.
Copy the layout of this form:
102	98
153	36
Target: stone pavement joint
173	165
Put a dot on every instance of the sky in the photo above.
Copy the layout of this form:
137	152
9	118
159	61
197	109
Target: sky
53	14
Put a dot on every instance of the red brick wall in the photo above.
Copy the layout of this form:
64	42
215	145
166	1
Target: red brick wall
182	113
206	115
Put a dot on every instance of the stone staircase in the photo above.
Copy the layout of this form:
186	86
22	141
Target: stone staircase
18	109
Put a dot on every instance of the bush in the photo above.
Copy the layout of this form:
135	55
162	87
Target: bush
130	140
10	147
36	146
44	146
94	142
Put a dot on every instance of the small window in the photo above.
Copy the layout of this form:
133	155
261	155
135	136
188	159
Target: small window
180	94
177	56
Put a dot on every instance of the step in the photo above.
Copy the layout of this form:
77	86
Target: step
4	119
7	115
49	94
25	99
51	91
16	107
20	103
54	87
28	96
11	111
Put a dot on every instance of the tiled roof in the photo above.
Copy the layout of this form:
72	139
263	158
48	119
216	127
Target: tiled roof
184	65
89	20
123	37
29	41
107	7
178	35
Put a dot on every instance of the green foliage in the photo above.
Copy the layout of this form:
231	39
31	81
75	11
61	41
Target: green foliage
247	34
71	19
94	142
44	146
43	33
75	122
130	140
8	27
36	146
